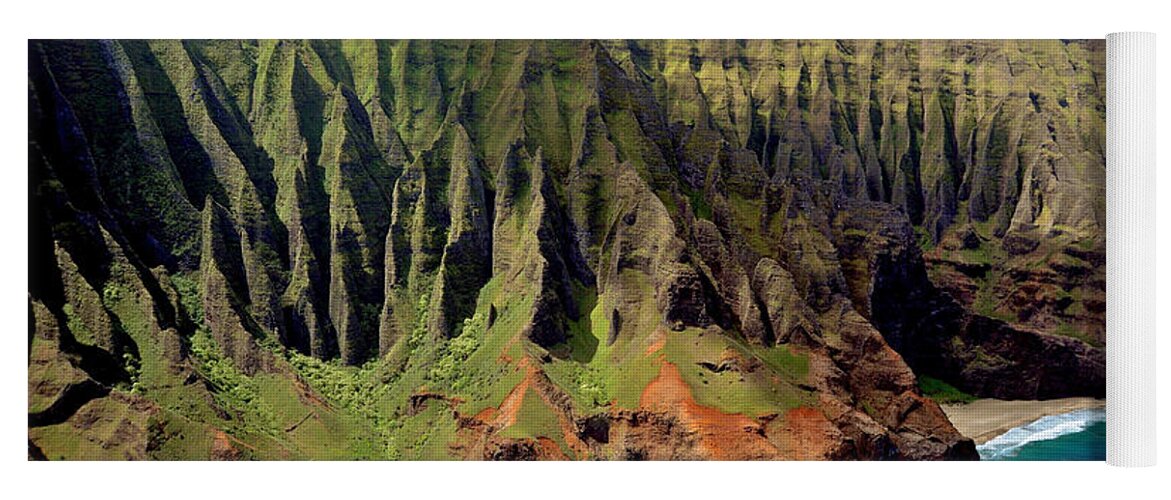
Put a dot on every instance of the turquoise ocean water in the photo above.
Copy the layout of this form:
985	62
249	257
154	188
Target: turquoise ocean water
1078	435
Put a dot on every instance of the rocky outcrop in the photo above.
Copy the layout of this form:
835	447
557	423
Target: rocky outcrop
466	263
789	318
530	248
1044	366
224	290
936	335
356	174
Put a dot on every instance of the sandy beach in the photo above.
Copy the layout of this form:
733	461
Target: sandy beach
985	419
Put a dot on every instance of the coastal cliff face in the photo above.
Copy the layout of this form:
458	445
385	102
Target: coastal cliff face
556	249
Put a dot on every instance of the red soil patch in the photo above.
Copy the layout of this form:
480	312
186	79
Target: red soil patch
722	436
222	447
655	346
504	357
506	415
806	434
575	443
550	450
524	363
659	340
666	391
486	415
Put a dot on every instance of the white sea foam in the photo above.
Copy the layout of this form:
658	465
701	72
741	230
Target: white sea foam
1051	427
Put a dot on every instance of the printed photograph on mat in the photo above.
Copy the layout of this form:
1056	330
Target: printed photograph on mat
567	250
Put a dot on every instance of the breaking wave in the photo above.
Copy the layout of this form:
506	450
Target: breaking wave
1008	445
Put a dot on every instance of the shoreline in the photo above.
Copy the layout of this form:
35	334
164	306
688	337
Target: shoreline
984	419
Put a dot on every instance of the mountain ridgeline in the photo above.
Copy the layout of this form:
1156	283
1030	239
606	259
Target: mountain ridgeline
556	249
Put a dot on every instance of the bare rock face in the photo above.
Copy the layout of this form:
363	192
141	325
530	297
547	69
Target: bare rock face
355	173
731	283
531	250
790	319
224	289
465	265
1045	366
890	285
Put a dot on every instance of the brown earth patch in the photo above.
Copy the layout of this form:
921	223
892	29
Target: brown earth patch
506	415
418	401
490	420
486	415
655	346
306	395
806	434
658	341
575	443
504	357
549	450
721	436
222	447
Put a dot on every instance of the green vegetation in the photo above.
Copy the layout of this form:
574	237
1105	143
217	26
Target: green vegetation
923	238
232	388
743	389
699	205
1066	329
586	374
187	286
453	355
979	255
76	326
749	215
988	304
943	392
534	419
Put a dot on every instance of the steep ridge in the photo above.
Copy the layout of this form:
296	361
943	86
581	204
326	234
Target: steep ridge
557	249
